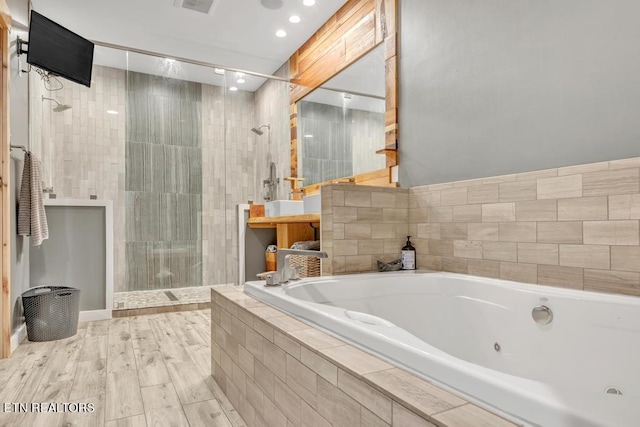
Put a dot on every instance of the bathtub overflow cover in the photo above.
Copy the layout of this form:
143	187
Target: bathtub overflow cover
613	390
496	347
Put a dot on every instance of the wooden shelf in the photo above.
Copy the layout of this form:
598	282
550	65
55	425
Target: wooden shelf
388	149
290	228
273	221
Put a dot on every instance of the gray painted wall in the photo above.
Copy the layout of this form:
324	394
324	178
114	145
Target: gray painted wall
74	254
496	87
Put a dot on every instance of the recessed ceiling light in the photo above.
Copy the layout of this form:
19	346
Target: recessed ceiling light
308	2
112	112
308	136
272	4
281	33
233	88
294	19
219	71
240	78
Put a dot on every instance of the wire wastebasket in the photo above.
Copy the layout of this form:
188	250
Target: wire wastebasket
51	312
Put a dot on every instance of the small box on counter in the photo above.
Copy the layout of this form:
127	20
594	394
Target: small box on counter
256	211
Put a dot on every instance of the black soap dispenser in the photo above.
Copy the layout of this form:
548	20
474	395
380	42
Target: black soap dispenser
408	256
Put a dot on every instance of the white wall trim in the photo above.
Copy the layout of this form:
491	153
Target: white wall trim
108	219
92	315
18	336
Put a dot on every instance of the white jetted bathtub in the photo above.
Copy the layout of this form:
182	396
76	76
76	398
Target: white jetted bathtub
478	336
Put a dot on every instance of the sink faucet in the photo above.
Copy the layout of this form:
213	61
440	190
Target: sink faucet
285	272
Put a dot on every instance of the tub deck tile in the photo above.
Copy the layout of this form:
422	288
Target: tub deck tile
288	323
355	360
315	339
418	394
351	387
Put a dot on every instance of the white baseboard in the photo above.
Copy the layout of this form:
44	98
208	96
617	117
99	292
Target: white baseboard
18	336
90	316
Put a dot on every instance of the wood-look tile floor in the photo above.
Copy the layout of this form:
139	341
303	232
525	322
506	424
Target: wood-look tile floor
140	371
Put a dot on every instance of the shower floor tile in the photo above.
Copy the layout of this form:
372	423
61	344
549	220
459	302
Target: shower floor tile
159	297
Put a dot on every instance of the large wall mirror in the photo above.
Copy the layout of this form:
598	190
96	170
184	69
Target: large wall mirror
344	102
341	124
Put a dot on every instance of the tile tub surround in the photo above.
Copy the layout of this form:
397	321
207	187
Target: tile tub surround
575	227
278	371
360	225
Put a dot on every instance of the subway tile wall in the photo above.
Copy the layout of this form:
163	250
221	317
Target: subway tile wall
83	149
361	225
272	107
228	174
574	227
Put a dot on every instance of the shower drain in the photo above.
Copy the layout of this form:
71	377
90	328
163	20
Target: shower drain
171	296
613	390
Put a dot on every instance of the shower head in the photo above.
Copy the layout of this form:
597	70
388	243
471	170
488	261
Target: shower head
258	130
59	107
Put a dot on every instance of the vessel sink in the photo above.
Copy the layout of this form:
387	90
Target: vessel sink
311	204
283	207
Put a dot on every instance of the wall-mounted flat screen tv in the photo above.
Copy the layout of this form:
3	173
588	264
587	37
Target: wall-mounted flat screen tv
59	51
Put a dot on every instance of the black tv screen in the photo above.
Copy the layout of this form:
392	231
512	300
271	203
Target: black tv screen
59	51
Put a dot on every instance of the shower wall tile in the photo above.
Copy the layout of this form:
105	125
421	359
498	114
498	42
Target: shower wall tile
228	177
138	113
161	127
163	182
83	149
218	164
272	107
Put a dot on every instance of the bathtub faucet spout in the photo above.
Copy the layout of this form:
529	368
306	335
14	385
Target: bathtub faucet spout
285	272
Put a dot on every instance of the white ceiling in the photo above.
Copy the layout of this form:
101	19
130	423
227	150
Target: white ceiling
236	34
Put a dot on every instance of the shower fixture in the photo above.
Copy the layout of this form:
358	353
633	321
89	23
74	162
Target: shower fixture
258	130
59	107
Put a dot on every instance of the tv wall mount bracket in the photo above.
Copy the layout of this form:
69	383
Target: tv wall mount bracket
20	46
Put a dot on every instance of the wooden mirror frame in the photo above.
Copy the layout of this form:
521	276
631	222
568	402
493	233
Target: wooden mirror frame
352	32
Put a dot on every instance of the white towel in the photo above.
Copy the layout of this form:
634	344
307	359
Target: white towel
32	220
